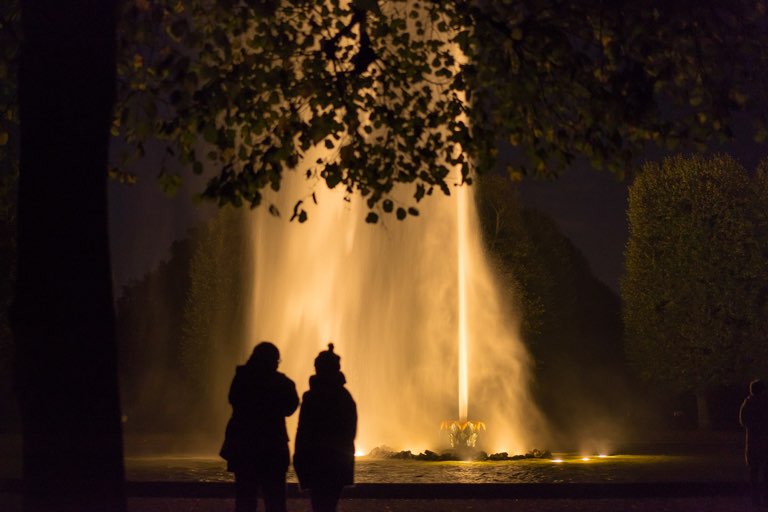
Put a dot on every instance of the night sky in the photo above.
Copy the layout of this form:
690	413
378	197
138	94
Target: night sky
144	221
590	208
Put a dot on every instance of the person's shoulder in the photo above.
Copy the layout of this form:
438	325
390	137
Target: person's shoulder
284	379
240	371
347	395
308	399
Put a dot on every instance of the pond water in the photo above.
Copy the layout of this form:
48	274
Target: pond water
571	469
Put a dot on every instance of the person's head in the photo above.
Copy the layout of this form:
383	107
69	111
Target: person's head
756	387
327	362
265	356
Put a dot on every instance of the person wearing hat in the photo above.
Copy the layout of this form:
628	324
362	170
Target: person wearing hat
256	441
324	458
753	416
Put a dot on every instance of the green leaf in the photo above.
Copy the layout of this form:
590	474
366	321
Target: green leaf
178	28
210	133
372	218
221	39
169	183
332	174
401	213
347	153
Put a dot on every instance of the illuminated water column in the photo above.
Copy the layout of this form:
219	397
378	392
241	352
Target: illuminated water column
463	327
387	295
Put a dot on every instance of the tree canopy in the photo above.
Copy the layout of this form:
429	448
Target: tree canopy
695	293
364	94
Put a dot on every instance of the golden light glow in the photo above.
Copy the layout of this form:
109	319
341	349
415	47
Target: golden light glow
394	319
557	461
585	459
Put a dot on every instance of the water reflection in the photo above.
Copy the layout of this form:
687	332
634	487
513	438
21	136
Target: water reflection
572	468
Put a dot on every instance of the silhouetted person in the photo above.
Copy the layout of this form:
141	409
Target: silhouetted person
325	440
256	442
753	416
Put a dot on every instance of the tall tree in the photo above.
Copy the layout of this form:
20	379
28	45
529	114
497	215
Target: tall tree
695	286
63	318
215	312
181	325
9	174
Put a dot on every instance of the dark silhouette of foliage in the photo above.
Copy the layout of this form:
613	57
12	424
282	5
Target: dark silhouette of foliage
694	293
571	321
8	186
215	313
9	50
401	91
180	325
149	324
9	175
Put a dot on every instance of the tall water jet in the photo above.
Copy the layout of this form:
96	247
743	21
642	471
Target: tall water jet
462	268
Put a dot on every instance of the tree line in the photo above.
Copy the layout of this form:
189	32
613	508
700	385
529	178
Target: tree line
185	320
695	292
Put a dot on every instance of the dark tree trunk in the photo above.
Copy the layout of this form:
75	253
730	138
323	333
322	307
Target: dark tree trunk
63	316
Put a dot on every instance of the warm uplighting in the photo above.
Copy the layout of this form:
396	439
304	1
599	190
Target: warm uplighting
585	459
453	329
602	456
462	432
462	264
557	460
359	453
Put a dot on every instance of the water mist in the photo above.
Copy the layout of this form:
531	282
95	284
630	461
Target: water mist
412	307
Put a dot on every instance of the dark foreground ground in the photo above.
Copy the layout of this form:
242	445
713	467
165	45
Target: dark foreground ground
710	477
10	503
723	496
531	505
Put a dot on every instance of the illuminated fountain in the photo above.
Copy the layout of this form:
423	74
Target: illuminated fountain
388	296
462	432
412	306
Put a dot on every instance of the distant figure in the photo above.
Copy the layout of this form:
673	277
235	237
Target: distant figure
753	416
325	440
256	442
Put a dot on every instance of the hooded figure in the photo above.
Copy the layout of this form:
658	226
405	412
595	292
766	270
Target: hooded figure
256	442
753	416
325	440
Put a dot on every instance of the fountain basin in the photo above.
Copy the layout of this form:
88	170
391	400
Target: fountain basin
625	469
